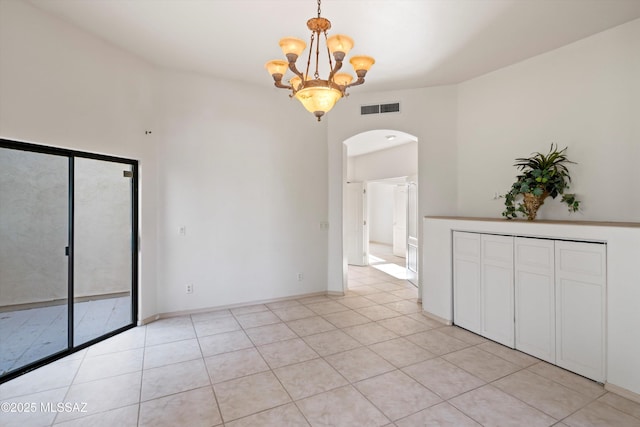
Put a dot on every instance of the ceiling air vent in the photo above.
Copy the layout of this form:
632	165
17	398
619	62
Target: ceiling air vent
380	108
369	109
390	108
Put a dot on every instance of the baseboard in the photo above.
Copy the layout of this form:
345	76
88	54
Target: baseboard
170	314
61	301
334	293
437	318
627	394
148	320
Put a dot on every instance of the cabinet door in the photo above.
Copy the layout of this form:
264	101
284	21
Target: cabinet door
580	307
496	288
535	310
466	280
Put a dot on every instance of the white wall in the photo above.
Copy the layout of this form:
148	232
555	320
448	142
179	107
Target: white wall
394	162
585	96
381	203
62	87
430	115
250	192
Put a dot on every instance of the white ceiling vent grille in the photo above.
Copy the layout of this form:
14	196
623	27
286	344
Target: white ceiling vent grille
393	107
369	109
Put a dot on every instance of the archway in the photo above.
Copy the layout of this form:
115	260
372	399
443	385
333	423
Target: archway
379	163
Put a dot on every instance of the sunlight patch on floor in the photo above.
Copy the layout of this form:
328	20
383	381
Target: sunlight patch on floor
393	270
375	260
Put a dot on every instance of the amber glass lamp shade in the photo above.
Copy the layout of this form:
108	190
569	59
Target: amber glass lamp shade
295	82
277	67
319	98
292	45
362	62
340	43
342	79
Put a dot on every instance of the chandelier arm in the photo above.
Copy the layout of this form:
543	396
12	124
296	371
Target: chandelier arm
281	86
277	82
356	83
292	58
294	69
361	74
335	69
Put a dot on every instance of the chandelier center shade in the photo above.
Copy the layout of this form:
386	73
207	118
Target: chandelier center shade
318	95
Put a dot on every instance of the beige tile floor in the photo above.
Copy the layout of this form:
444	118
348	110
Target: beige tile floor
369	358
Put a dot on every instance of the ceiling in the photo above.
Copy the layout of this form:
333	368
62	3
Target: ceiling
416	43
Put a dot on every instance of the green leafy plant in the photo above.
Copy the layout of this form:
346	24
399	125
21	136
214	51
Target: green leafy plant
542	175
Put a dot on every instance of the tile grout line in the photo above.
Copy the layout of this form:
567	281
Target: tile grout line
144	354
206	368
64	399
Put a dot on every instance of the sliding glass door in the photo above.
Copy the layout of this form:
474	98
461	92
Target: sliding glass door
102	247
34	220
68	252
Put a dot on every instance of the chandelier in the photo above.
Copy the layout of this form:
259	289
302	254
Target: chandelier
318	96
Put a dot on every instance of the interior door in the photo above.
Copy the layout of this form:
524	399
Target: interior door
412	233
355	224
400	220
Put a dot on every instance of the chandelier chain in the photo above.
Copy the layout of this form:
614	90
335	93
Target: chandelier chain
319	8
329	54
316	75
306	74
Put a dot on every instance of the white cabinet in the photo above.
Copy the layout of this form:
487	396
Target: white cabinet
620	241
541	296
535	307
580	311
483	285
466	279
496	288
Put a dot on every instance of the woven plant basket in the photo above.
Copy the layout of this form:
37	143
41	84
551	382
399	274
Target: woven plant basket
532	203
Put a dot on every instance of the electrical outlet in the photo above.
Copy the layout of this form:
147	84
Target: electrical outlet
183	230
189	288
300	277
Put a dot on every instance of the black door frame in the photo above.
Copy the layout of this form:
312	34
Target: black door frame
71	155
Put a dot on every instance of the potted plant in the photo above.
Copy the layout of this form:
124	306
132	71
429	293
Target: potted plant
542	175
